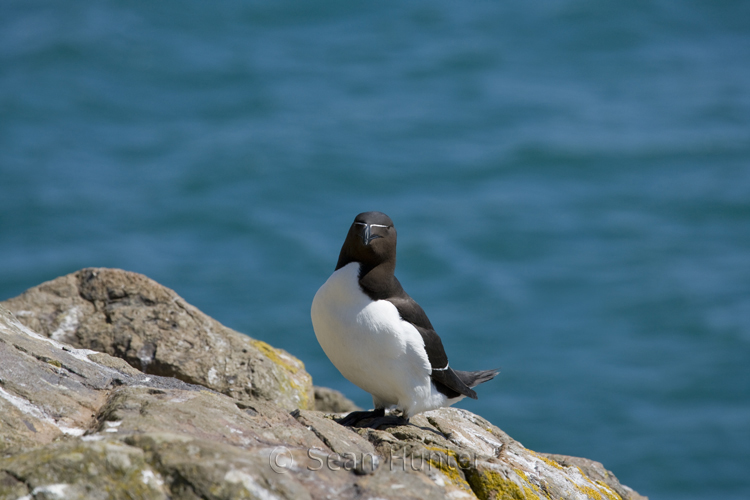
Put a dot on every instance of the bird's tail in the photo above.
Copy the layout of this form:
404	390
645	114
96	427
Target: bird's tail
473	379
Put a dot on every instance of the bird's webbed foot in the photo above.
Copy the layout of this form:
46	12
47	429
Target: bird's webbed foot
372	419
387	421
353	418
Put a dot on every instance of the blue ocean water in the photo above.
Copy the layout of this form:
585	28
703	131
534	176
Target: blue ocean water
570	181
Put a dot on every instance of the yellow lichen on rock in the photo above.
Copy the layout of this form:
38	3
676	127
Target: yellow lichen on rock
608	492
278	357
536	490
546	460
302	390
452	473
492	485
596	490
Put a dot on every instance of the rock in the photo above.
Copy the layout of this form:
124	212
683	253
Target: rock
80	424
132	317
105	469
333	401
595	471
49	390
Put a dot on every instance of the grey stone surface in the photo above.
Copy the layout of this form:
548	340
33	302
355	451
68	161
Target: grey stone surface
130	316
79	424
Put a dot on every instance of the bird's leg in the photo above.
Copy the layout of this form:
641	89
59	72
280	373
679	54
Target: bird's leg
353	418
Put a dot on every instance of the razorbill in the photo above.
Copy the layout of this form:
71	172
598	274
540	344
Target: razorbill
378	337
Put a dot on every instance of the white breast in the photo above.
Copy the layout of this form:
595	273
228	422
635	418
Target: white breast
369	342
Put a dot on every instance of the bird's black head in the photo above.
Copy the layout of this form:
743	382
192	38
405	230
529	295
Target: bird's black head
371	241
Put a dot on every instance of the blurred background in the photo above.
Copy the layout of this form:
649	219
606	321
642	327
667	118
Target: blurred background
570	181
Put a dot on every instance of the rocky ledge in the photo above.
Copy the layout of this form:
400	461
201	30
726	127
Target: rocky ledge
112	386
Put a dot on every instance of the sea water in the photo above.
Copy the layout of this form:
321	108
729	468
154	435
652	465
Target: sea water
570	181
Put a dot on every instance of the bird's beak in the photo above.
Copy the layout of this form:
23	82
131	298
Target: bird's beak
367	235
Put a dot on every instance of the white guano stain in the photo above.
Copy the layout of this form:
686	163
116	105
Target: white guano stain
30	409
148	477
71	431
68	325
49	491
460	494
92	437
80	354
571	481
112	426
213	377
251	485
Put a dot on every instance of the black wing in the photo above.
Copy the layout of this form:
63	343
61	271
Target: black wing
445	379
